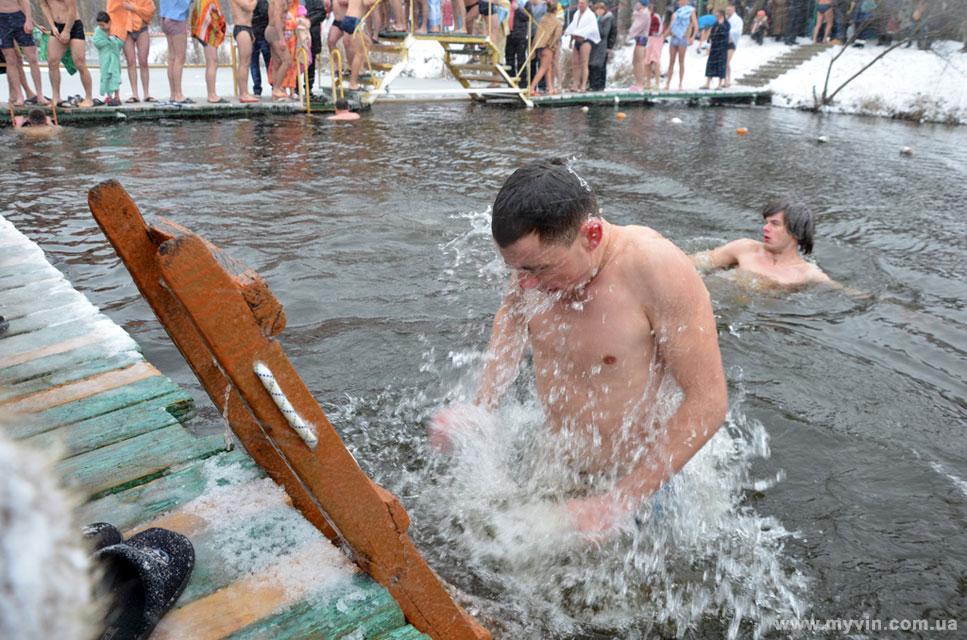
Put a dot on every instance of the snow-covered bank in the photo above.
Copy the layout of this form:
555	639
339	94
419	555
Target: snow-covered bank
929	86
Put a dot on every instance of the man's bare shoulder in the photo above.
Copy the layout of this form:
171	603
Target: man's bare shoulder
744	246
813	274
653	260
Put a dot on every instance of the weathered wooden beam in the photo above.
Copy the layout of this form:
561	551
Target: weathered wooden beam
125	228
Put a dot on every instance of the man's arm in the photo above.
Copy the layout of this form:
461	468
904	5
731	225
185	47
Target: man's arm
687	340
688	346
723	257
508	339
28	15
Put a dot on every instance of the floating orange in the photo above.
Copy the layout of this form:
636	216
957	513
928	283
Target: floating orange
620	115
742	131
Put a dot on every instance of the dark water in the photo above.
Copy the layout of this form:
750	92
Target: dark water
374	238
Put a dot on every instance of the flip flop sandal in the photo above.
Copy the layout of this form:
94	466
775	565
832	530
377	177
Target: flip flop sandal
219	101
150	99
144	575
132	100
98	102
101	534
66	104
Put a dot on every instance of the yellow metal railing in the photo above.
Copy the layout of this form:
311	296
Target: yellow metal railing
335	73
303	58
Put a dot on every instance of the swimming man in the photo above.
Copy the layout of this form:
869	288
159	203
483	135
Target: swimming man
611	315
35	124
787	230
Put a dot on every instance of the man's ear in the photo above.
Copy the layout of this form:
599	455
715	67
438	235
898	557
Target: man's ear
592	230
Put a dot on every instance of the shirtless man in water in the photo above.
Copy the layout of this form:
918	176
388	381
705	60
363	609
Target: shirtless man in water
611	315
66	32
244	38
787	230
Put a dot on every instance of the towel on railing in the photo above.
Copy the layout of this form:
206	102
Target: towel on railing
124	20
584	25
207	22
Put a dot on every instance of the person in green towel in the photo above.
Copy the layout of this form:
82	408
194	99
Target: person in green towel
109	58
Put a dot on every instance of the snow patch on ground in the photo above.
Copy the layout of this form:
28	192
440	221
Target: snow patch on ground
906	83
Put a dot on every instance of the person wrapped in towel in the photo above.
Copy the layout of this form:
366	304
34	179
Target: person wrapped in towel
108	59
583	31
208	27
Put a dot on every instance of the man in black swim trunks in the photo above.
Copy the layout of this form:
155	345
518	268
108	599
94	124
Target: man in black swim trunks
244	39
67	32
16	25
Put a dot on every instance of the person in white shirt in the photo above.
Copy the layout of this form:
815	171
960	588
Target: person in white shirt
735	35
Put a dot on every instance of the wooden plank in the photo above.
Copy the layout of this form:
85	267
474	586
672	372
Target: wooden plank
154	387
37	402
122	223
403	633
139	458
70	311
137	505
30	304
264	606
12	346
365	610
70	353
105	430
61	377
27	274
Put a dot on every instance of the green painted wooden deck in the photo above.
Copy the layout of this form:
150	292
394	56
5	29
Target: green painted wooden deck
199	110
78	382
624	97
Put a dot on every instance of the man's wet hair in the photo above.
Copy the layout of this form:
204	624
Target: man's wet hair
102	16
37	117
799	221
546	197
342	104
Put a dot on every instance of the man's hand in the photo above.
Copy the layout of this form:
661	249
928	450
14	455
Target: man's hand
597	516
457	421
64	37
28	26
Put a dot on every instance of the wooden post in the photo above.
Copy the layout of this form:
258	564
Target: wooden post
210	316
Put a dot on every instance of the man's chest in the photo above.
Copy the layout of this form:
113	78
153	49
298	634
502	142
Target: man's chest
758	265
602	335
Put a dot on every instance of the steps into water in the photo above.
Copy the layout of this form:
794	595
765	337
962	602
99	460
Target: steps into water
766	73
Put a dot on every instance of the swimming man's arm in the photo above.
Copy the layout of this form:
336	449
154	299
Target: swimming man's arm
723	257
689	348
508	339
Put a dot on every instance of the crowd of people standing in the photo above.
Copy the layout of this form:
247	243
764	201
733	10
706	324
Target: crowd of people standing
544	38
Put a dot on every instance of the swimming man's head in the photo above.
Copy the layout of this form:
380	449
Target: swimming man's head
798	220
37	117
545	197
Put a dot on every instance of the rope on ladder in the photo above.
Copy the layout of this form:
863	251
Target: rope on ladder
301	427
